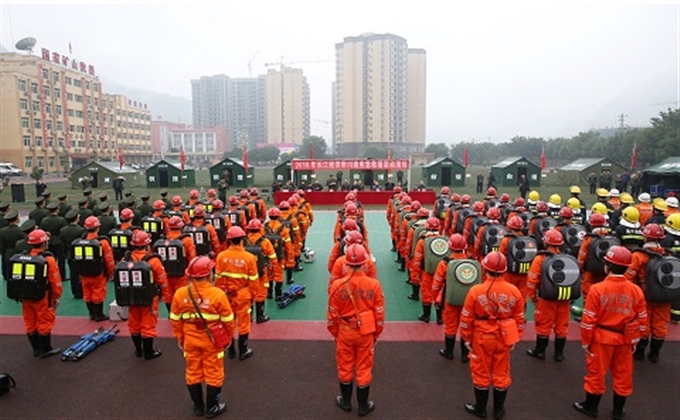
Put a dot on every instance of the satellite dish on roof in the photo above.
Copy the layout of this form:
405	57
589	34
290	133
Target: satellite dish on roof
26	44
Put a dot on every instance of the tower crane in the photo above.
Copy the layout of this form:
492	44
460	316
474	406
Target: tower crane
250	67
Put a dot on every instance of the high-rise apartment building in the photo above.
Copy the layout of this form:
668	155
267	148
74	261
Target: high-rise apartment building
288	106
379	95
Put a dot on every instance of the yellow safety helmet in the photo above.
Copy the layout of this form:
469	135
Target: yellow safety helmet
660	204
574	203
575	189
631	214
602	192
534	196
555	200
626	198
599	208
673	221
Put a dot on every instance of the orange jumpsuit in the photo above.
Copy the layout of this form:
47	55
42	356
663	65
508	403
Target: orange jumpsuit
260	207
271	272
185	215
288	260
94	287
40	315
517	279
143	319
646	211
295	235
303	222
548	314
467	227
337	230
611	305
484	305
451	314
658	313
408	245
588	278
175	283
671	210
403	236
335	255
341	269
417	272
307	207
348	297
204	361
236	274
212	234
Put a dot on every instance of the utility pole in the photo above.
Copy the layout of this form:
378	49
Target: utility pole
622	121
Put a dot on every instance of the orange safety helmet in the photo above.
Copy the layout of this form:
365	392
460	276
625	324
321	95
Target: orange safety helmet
351	209
235	232
491	191
446	191
211	192
356	255
243	193
350	196
175	223
553	237
254	191
126	214
519	202
293	201
541	207
140	238
478	207
397	189
457	242
284	205
200	267
199	212
38	236
505	198
233	200
91	223
619	255
455	197
406	200
254	224
515	223
423	212
495	262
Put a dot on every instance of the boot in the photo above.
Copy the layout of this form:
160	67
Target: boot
344	400
259	309
137	340
269	290
415	291
167	306
402	267
654	349
479	407
298	267
539	351
394	246
215	407
149	352
464	352
90	310
196	392
447	351
98	309
619	413
560	342
438	312
243	351
589	406
277	291
35	343
499	403
425	316
639	353
398	259
46	349
231	352
365	406
289	276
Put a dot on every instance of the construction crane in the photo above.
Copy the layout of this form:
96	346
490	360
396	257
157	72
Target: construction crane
281	63
250	67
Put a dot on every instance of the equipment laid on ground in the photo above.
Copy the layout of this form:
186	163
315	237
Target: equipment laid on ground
88	343
6	383
308	256
117	312
294	292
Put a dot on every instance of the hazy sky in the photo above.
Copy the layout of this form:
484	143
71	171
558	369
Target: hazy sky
494	69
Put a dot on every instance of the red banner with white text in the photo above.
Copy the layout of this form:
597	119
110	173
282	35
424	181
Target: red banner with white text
354	164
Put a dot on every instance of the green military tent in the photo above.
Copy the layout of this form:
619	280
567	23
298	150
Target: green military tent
168	174
576	173
663	177
508	171
282	173
101	175
442	172
234	171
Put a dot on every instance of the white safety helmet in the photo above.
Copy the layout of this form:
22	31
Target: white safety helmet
645	197
614	192
672	202
308	256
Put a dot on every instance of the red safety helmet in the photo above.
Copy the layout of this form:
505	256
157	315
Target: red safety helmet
254	191
159	205
199	212
350	196
211	192
519	202
491	191
175	223
356	255
619	255
541	207
300	192
566	212
397	189
233	200
243	193
505	198
406	200
455	197
494	213
446	191
465	199
432	224
553	237
597	220
423	212
515	223
91	223
457	242
653	231
38	236
274	212
495	262
296	196
254	224
176	200
200	267
349	224
235	232
351	209
140	238
354	237
478	207
284	205
126	214
217	204
292	200
415	205
193	194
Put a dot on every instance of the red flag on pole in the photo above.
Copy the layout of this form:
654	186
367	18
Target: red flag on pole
544	161
389	156
121	161
245	157
466	157
182	158
70	48
633	157
310	152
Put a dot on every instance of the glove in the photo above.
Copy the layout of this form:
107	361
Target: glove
468	345
211	254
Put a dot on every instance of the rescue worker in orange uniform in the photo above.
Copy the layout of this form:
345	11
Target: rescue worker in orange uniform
303	224
40	315
218	216
658	313
193	198
287	260
402	243
390	210
204	361
272	269
492	321
356	316
175	225
142	320
236	274
598	225
159	212
645	207
305	206
94	287
198	219
418	274
126	216
402	201
421	216
515	224
176	209
672	204
449	220
340	267
541	212
291	222
347	226
246	205
548	314
494	216
614	319
258	204
451	314
478	211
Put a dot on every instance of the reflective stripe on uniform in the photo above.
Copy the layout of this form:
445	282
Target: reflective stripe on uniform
194	315
237	276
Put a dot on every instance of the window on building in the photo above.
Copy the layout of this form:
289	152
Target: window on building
23	103
24	122
27	141
210	143
60	142
35	105
77	83
58	109
38	141
81	143
48	124
22	85
28	162
62	161
71	112
71	128
37	123
79	98
69	96
87	84
68	80
200	146
46	90
55	76
48	108
50	142
79	114
57	93
41	162
60	126
46	73
34	88
95	86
